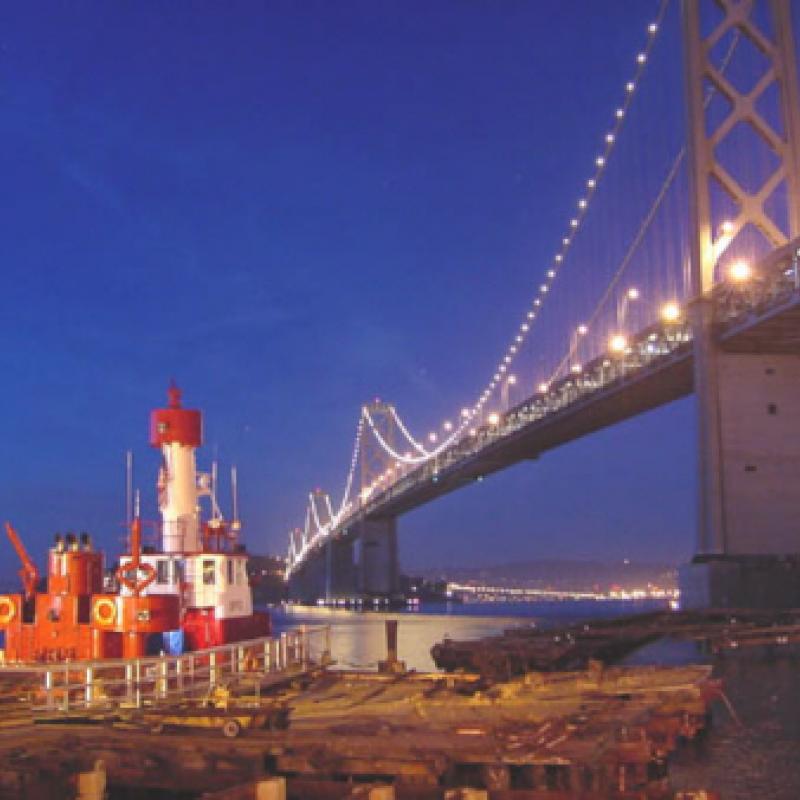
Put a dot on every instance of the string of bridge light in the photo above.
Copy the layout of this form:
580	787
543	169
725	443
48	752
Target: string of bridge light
670	310
351	472
333	518
501	373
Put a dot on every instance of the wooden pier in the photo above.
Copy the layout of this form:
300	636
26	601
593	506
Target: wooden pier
598	733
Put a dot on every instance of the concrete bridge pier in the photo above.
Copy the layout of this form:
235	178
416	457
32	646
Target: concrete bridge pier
378	573
340	569
307	583
330	576
749	544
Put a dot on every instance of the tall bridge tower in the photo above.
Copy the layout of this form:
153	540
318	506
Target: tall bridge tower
377	560
748	399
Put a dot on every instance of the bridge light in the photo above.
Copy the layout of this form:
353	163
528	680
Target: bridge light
633	293
740	271
551	273
432	436
465	413
600	161
577	368
574	222
610	138
727	227
641	58
565	241
448	426
494	418
620	113
591	183
544	387
511	380
670	312
582	202
652	27
617	343
630	86
582	330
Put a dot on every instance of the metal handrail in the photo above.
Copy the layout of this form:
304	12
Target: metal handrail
156	680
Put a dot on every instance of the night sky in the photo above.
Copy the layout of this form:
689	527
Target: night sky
291	208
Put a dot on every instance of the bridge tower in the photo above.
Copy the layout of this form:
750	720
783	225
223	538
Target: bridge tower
377	569
748	550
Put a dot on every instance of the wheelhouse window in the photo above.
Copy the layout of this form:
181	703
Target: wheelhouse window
209	572
230	572
162	571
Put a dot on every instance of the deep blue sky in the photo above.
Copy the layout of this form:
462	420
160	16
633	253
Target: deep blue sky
292	207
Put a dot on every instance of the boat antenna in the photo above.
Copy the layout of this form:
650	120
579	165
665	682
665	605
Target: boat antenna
128	487
235	492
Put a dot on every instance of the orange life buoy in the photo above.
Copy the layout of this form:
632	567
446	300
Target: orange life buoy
8	610
105	611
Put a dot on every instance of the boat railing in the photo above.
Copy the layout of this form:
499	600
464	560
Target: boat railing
166	679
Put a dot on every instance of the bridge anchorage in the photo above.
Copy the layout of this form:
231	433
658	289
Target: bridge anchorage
732	337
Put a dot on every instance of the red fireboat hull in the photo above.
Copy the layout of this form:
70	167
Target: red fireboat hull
201	628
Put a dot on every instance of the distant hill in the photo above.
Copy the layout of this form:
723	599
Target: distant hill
561	574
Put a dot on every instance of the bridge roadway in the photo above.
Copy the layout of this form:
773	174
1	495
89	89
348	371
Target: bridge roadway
760	316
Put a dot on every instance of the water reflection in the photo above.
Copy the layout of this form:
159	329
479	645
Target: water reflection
359	639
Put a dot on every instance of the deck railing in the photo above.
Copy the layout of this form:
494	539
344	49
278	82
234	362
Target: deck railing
164	679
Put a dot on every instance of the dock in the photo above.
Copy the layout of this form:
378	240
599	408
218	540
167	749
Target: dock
307	732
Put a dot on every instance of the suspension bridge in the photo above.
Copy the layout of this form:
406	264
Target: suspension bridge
674	278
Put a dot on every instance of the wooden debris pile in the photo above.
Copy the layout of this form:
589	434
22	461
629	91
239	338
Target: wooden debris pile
525	649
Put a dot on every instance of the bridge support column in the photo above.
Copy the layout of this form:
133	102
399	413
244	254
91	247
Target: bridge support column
328	574
308	582
340	570
749	427
378	565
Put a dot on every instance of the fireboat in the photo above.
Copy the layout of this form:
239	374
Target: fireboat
188	592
